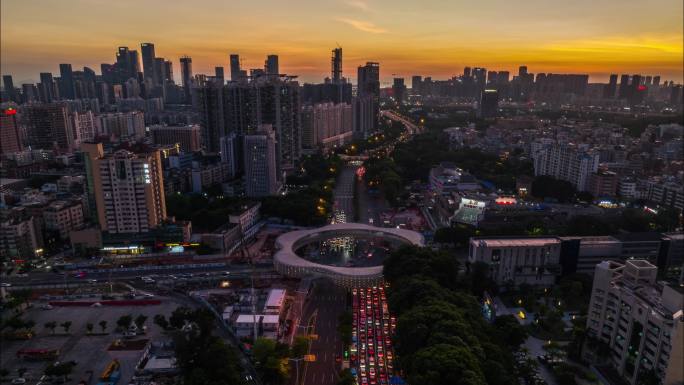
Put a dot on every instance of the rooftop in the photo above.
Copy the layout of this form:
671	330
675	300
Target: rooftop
517	242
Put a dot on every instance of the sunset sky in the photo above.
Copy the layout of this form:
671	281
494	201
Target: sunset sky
427	37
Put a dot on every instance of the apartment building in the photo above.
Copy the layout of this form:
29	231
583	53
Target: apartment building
640	319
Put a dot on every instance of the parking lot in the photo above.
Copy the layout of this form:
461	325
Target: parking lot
371	350
90	352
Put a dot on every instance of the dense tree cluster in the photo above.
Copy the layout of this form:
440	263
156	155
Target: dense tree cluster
202	357
271	360
207	213
412	161
441	336
311	205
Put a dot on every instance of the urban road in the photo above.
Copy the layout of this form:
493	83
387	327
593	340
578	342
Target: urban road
322	311
104	275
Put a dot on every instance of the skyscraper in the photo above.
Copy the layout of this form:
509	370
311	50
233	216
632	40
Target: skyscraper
9	87
148	59
220	77
127	188
29	92
416	82
10	138
368	85
46	87
48	126
489	103
611	87
480	78
211	112
127	64
399	90
275	101
336	65
234	67
260	163
624	91
369	79
168	71
186	76
66	87
271	65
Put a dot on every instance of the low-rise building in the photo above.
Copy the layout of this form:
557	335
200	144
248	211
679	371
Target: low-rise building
446	177
187	136
19	235
533	261
247	219
267	325
63	216
224	239
274	301
603	184
209	175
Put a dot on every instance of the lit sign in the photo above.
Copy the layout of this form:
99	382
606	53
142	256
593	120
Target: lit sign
10	111
146	168
505	201
113	248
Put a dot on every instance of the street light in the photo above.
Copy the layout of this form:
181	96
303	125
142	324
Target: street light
296	361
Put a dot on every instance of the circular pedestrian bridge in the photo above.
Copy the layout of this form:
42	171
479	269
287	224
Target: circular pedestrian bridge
350	254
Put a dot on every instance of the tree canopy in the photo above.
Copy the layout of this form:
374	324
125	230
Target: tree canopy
441	336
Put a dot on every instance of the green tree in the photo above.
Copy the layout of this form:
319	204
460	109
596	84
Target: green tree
458	235
344	327
161	321
445	364
66	325
179	316
415	261
300	347
60	369
23	296
52	325
270	360
15	323
545	187
346	378
124	322
511	331
140	321
205	359
103	325
89	328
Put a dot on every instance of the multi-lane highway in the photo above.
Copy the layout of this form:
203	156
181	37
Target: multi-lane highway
325	305
39	278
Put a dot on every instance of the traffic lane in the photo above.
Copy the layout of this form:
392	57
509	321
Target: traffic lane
54	278
330	304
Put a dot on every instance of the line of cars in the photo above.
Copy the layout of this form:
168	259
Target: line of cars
372	327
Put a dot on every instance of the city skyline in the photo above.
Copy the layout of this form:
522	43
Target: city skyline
425	39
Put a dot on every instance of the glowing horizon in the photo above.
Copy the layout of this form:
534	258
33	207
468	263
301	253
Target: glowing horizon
407	38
